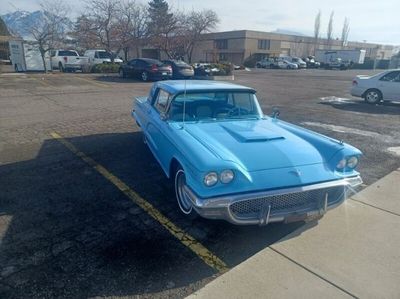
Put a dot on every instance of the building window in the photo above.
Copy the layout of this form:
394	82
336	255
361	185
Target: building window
221	44
263	44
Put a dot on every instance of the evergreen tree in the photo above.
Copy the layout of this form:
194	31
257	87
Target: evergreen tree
160	17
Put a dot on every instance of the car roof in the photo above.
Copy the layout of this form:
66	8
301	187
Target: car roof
178	86
149	60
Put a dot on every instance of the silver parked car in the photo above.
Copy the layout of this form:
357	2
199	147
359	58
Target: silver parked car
180	69
384	86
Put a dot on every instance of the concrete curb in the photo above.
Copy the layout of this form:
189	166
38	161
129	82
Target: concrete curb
352	252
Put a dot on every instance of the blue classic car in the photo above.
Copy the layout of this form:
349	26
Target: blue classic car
229	161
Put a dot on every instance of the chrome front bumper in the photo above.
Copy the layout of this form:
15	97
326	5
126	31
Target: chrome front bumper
282	205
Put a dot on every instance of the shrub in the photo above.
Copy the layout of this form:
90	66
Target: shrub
106	68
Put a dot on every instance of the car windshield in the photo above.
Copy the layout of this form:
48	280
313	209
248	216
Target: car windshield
67	53
214	106
103	54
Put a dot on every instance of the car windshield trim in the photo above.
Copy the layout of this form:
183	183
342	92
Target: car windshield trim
221	105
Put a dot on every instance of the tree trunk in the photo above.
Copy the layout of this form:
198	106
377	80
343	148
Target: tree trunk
42	53
126	51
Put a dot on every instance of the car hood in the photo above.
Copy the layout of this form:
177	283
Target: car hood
257	144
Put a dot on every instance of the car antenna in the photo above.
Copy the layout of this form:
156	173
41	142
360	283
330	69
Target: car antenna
184	106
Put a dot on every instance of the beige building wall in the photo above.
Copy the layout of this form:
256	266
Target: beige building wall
245	43
237	46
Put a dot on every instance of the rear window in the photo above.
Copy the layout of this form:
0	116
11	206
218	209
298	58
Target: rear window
103	54
67	53
153	61
391	77
180	63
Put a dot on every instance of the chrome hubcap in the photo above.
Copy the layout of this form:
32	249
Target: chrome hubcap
183	200
144	76
372	96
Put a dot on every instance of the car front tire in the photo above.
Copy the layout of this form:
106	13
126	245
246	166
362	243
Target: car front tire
184	202
373	96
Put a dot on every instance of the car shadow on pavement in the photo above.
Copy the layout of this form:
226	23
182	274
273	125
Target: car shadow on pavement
390	108
114	78
67	232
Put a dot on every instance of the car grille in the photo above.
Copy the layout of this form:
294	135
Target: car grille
287	202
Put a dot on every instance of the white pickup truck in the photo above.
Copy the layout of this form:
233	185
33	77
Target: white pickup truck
66	60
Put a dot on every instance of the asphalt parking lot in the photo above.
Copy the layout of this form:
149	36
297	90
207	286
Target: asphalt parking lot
69	230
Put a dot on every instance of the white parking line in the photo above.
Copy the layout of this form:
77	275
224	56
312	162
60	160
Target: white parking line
336	100
346	130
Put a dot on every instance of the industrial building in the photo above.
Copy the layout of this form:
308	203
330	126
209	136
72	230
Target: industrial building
238	46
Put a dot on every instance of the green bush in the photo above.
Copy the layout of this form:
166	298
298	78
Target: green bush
225	68
106	68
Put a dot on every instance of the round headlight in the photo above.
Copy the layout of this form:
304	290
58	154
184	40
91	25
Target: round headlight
211	179
342	164
226	176
352	162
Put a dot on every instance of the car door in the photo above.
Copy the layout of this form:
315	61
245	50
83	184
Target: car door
389	85
130	67
158	128
140	66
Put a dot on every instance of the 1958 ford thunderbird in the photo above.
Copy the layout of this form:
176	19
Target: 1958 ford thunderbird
229	161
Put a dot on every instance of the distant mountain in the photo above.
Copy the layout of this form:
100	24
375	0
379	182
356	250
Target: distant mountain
19	22
289	32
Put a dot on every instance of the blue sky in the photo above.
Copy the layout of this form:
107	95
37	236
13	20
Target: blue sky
370	20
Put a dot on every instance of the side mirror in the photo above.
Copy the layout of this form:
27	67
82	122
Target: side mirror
275	112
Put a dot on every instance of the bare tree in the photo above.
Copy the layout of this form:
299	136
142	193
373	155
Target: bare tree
49	30
131	26
85	33
196	24
330	30
102	20
317	27
345	31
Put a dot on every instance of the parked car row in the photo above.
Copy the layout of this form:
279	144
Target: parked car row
283	62
152	69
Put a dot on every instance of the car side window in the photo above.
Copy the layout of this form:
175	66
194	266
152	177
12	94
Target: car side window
132	62
162	100
140	63
152	94
391	77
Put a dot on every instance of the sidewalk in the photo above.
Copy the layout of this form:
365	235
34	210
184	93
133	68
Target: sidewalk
354	251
